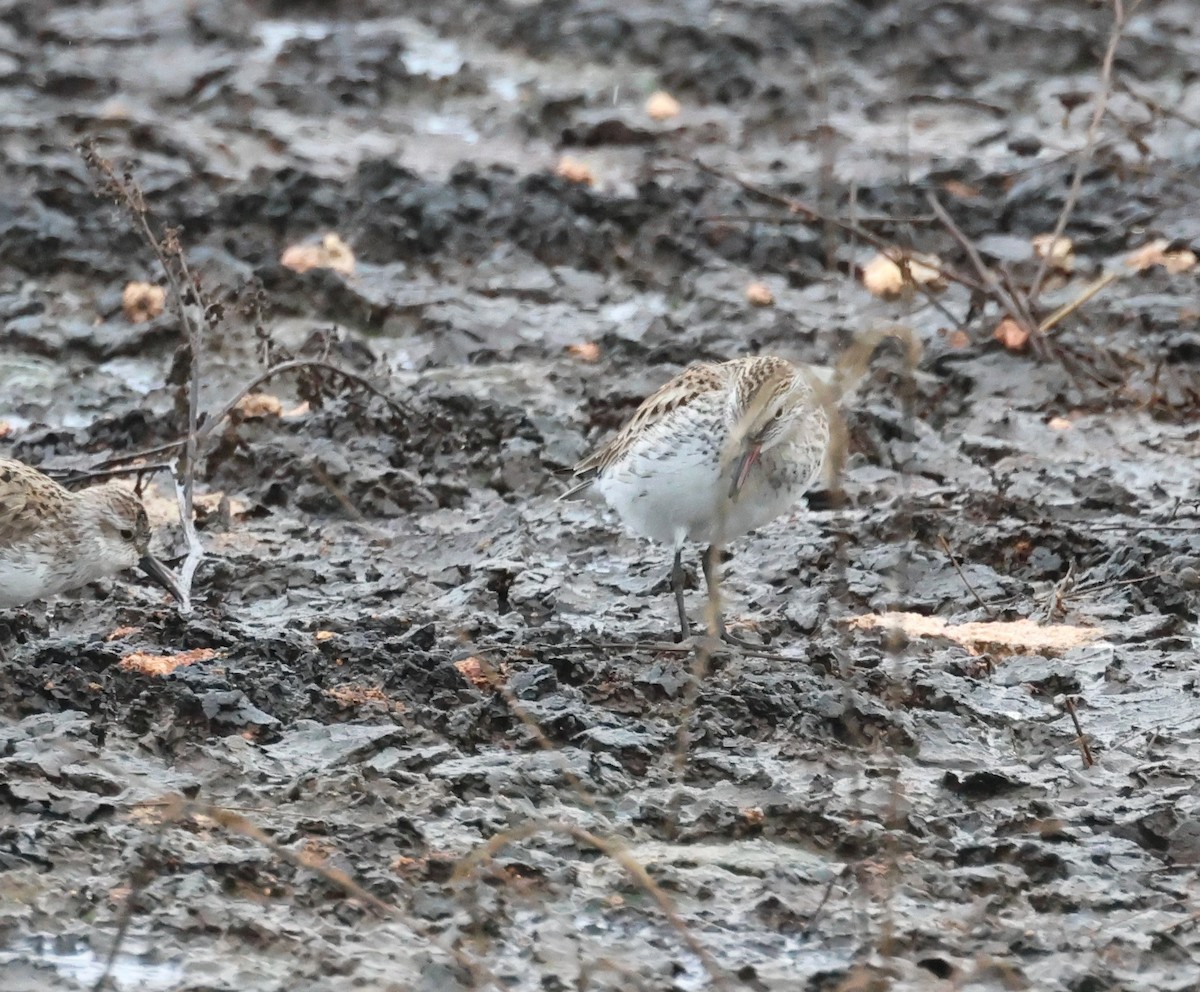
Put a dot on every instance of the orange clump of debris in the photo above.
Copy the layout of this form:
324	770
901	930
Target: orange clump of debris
158	665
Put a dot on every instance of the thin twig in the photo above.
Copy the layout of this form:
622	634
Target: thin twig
1080	736
134	456
988	278
776	221
816	915
103	471
187	505
176	808
962	575
702	661
714	648
126	190
211	425
1154	106
1069	308
535	729
139	877
1120	20
892	251
181	808
618	853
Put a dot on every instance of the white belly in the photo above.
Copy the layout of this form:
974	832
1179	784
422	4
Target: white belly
683	496
24	580
664	498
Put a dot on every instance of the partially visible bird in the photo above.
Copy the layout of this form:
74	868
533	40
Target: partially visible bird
719	450
52	540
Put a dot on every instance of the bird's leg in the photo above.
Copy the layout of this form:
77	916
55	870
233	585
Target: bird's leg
685	629
710	566
711	556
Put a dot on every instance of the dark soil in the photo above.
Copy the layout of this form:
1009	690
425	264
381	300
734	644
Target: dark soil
866	815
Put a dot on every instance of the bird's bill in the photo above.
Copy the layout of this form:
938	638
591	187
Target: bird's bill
746	461
161	574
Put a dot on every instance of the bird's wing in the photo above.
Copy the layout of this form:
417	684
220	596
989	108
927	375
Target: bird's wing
20	513
655	410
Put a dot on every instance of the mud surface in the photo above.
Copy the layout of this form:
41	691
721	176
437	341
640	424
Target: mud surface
871	814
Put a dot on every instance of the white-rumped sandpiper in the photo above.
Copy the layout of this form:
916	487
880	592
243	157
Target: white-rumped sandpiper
719	450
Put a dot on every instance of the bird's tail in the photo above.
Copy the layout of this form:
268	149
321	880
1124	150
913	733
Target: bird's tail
582	485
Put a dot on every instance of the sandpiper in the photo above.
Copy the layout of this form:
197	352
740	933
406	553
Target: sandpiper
719	450
52	539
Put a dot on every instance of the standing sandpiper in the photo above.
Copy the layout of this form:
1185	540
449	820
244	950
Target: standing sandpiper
719	450
52	540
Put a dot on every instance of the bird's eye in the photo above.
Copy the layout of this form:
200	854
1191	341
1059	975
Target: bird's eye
127	534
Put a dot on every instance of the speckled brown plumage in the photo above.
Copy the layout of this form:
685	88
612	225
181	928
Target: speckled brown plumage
52	540
719	450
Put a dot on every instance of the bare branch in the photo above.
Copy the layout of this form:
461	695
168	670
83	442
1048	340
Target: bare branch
1120	19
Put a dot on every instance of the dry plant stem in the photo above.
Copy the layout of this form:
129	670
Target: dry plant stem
1105	586
1080	736
855	218
812	920
191	328
166	249
338	493
535	730
134	456
103	471
611	848
211	425
997	292
1121	17
615	851
1154	106
702	660
187	509
892	251
177	808
965	581
674	647
138	878
1067	309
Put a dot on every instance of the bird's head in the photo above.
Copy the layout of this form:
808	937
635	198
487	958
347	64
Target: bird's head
117	534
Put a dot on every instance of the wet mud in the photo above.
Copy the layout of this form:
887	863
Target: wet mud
870	811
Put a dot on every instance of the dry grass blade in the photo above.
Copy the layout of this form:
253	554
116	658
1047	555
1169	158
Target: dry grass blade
702	661
610	849
535	729
1069	308
853	363
1121	15
176	809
